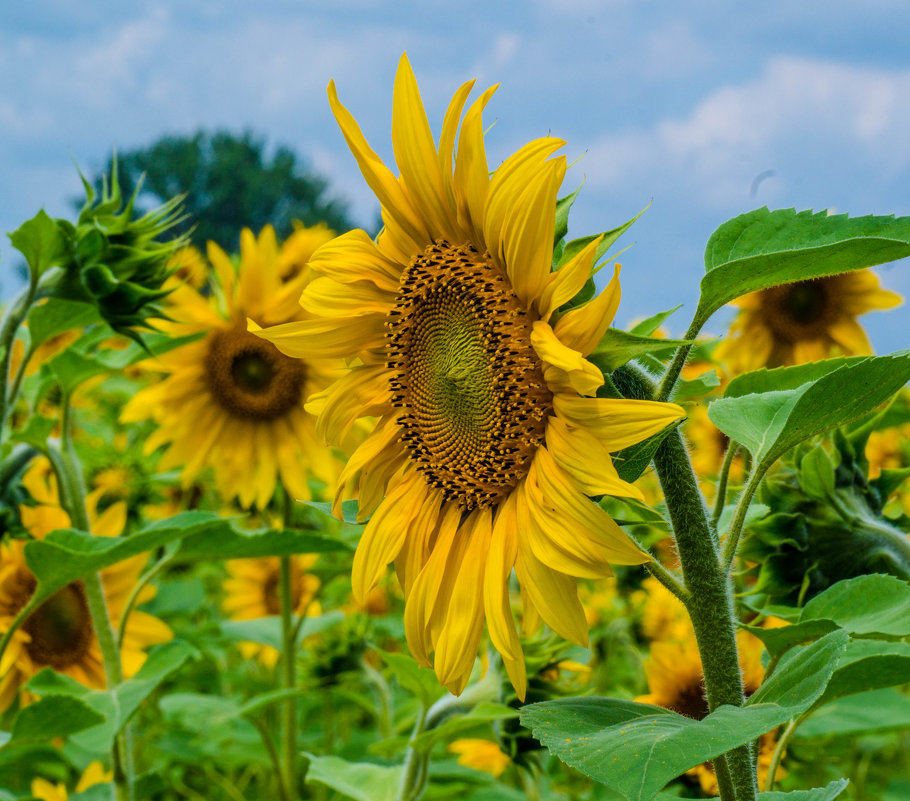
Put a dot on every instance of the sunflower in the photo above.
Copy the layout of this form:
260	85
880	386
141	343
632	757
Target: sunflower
663	616
251	592
189	266
486	440
93	774
231	400
59	633
803	322
676	682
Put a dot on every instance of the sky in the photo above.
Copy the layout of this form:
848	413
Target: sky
704	109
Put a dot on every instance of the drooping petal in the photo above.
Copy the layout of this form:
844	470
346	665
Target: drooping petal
384	534
500	562
353	256
568	280
618	423
575	370
586	460
584	327
327	297
360	392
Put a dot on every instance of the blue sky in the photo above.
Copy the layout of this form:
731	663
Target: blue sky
682	104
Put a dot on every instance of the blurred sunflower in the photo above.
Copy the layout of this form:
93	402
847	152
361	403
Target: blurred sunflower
486	441
231	400
251	592
676	682
93	774
803	322
480	754
189	266
663	616
59	633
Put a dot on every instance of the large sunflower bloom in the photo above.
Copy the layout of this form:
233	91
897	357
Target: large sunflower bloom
59	633
486	441
803	322
231	400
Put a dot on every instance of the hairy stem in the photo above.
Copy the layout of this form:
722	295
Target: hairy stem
288	675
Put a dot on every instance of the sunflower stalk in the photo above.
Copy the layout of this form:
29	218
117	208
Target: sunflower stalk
14	316
288	676
68	470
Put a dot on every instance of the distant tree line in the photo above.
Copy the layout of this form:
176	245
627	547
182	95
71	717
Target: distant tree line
230	183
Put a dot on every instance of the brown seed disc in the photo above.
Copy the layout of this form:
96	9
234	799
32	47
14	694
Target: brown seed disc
60	629
800	311
249	377
470	387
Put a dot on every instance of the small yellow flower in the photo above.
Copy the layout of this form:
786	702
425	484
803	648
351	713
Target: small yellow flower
803	322
480	755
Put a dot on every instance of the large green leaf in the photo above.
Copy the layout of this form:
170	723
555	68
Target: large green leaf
59	315
879	710
39	240
485	712
362	781
115	706
233	543
770	423
49	718
873	604
762	249
778	378
637	748
868	665
66	555
828	793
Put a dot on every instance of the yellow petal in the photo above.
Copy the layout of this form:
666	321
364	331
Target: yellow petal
416	156
224	269
324	338
850	335
584	327
586	461
360	392
353	256
459	639
500	562
398	210
472	176
413	555
327	297
382	439
618	423
568	280
384	534
573	369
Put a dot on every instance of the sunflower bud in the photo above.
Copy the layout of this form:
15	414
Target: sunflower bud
116	258
825	525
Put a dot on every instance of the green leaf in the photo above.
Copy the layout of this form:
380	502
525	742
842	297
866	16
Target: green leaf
879	710
39	240
868	665
267	630
36	432
115	706
765	380
828	793
482	713
771	423
649	325
67	555
362	781
97	792
631	462
762	249
637	748
692	388
617	347
873	604
51	717
418	680
563	206
816	474
231	543
58	315
779	640
575	247
348	510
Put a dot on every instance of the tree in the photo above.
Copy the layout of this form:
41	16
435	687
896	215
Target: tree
230	183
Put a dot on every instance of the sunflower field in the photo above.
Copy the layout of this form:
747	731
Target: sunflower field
403	517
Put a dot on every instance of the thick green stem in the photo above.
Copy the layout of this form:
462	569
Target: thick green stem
710	602
668	383
288	675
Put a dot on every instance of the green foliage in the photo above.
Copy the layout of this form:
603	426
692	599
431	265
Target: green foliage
762	249
604	737
770	423
618	347
362	781
39	240
57	316
267	630
230	182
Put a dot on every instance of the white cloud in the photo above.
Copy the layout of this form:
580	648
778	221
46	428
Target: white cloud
797	109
